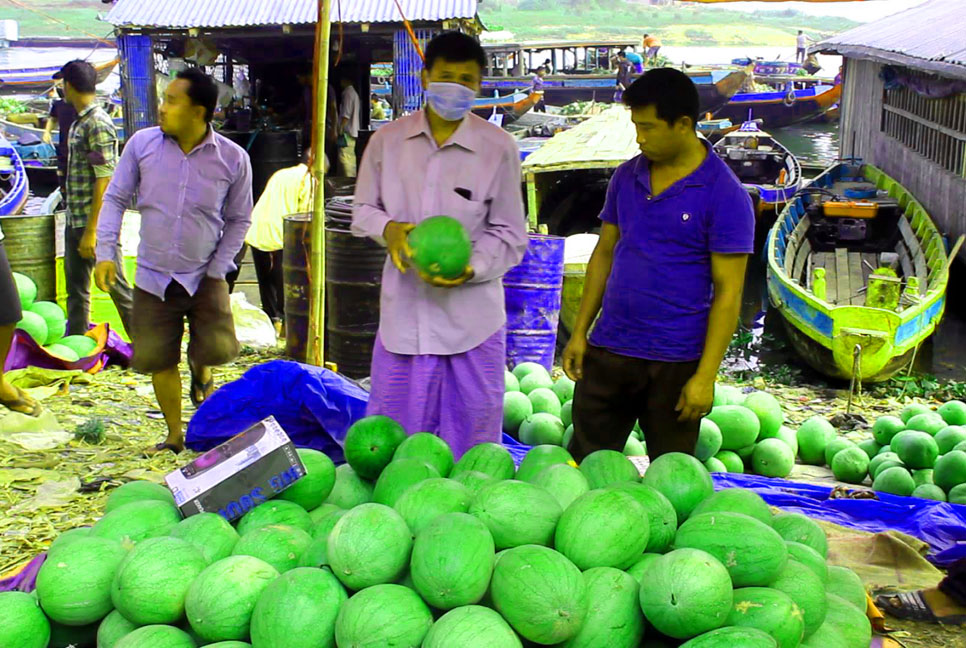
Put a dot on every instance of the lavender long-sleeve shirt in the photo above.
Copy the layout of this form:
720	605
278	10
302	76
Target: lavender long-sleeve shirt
406	177
195	208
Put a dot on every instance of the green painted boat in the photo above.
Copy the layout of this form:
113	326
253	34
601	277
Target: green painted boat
858	271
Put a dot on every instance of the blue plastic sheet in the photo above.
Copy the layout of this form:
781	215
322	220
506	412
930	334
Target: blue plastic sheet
314	406
941	525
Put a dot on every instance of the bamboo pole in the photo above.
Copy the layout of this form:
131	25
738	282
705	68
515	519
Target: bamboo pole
316	341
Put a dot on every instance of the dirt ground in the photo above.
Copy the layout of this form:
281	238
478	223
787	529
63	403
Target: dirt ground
45	492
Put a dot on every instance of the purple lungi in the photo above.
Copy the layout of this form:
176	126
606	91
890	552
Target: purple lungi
456	397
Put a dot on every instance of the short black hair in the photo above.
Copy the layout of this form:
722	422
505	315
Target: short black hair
202	90
81	75
671	92
622	54
455	47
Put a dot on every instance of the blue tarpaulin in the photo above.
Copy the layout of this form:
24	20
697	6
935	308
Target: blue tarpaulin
314	406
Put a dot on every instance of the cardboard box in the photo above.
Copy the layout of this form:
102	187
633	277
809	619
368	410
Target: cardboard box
243	472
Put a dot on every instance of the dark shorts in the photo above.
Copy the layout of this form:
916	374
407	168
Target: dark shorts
9	297
158	327
618	390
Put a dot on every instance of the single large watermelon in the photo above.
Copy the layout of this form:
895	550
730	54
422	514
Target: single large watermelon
614	618
542	428
312	489
540	593
930	423
685	593
369	545
807	590
564	482
221	599
349	489
844	582
370	444
452	561
545	401
662	519
850	621
66	539
424	502
74	586
769	412
603	528
26	289
605	467
894	480
471	626
540	457
430	448
949	437
54	317
535	380
813	437
398	476
22	621
441	247
709	440
733	637
137	521
280	545
210	533
753	552
298	610
153	580
950	470
137	491
113	628
488	458
796	527
739	426
773	458
916	449
383	615
33	325
682	479
524	369
736	500
886	427
82	345
851	465
953	412
517	513
156	636
517	407
912	410
770	611
275	512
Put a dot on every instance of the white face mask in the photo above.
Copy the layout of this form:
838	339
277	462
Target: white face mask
451	101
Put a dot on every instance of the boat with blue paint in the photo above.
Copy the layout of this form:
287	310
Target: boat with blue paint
763	164
858	271
13	180
790	104
40	79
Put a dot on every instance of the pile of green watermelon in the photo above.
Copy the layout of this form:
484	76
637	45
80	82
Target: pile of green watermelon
537	410
920	453
46	323
403	546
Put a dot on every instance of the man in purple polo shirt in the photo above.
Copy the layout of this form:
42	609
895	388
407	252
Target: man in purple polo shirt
194	192
666	277
440	354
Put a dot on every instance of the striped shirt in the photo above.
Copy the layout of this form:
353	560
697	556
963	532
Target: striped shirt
92	154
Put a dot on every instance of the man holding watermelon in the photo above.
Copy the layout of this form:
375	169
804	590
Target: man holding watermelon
440	354
666	278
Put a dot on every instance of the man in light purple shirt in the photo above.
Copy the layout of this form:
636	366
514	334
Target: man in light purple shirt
194	192
440	354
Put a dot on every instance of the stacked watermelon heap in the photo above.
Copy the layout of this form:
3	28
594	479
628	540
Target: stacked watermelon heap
402	546
537	409
46	324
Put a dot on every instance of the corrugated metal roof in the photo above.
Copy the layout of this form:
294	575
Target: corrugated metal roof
252	13
931	37
605	141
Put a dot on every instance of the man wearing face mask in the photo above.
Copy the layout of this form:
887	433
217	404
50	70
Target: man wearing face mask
440	353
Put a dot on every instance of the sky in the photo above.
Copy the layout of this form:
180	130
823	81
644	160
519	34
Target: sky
859	11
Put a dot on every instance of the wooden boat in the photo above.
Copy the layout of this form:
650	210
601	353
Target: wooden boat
762	164
14	131
39	79
13	180
784	107
511	106
858	271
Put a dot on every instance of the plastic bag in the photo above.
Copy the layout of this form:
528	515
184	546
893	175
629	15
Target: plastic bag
314	406
42	432
253	327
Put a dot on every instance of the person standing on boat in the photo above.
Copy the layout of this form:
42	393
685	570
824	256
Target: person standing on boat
348	125
636	61
801	47
92	156
652	45
624	76
194	192
666	278
537	87
440	353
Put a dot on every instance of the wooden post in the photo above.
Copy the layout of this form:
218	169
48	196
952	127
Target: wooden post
316	341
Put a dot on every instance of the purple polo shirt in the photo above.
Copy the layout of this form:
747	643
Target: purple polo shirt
659	293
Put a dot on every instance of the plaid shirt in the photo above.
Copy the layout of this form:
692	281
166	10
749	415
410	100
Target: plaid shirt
92	154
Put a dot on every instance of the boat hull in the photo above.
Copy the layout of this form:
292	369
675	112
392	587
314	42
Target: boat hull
32	80
777	111
16	186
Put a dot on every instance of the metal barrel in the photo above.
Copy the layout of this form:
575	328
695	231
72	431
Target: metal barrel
296	245
353	281
532	291
31	248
